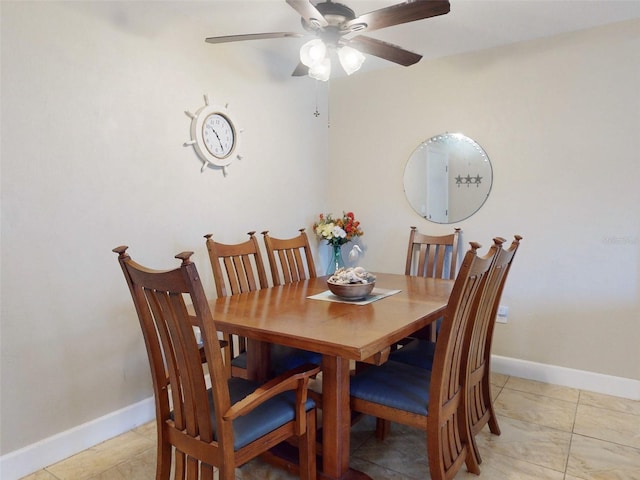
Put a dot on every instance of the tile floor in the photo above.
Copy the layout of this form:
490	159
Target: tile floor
548	433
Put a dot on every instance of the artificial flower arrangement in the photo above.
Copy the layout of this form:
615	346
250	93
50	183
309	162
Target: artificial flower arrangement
337	231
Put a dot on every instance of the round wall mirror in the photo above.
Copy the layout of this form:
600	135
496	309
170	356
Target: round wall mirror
448	178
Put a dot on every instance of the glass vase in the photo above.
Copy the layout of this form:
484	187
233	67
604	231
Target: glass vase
335	262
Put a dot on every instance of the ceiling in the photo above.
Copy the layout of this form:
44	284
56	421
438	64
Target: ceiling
470	25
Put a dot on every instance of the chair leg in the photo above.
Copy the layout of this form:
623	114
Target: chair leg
472	461
307	448
493	423
227	472
475	452
473	458
383	427
493	420
433	332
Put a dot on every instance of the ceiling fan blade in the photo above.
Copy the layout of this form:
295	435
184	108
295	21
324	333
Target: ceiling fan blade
301	70
400	13
252	36
384	50
309	12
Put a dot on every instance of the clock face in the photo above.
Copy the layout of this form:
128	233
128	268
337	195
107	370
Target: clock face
218	135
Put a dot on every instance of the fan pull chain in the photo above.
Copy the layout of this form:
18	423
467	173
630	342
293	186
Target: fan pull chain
328	104
316	113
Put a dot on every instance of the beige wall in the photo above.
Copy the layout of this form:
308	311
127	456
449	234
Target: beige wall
559	119
93	126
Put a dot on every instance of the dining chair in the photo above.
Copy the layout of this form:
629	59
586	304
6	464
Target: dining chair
478	341
420	353
225	426
431	256
433	400
238	268
290	260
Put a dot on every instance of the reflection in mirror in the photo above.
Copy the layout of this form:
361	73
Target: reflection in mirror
448	178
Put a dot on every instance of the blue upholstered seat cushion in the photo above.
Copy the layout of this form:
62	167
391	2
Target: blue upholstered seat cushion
282	359
394	384
287	358
263	419
240	360
417	352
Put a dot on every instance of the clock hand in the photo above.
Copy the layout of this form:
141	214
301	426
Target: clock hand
218	137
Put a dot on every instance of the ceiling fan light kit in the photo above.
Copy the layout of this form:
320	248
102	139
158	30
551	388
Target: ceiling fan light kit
315	55
321	70
338	29
312	52
350	59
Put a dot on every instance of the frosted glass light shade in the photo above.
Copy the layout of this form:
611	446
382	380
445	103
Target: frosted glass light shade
350	59
312	52
321	70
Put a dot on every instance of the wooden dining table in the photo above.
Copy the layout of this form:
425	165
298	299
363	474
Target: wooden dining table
341	332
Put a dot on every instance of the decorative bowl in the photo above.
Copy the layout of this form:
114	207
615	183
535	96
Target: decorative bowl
351	291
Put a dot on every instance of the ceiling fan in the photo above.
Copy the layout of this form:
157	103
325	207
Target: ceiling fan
337	28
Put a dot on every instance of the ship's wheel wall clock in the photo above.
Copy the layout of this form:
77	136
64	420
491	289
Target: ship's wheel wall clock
215	136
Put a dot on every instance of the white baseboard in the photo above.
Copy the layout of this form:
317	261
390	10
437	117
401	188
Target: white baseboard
24	461
48	451
568	377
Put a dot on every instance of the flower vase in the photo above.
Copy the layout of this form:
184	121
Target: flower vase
335	262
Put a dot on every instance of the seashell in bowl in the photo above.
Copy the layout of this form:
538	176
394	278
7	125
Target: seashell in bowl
351	291
352	275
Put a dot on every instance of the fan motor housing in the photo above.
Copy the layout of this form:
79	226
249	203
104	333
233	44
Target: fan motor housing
334	13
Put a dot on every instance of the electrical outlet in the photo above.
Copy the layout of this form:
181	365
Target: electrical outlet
503	313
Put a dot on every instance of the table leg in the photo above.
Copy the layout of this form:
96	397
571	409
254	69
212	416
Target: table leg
258	361
336	427
336	416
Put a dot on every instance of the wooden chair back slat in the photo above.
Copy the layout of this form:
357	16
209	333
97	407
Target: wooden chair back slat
287	258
